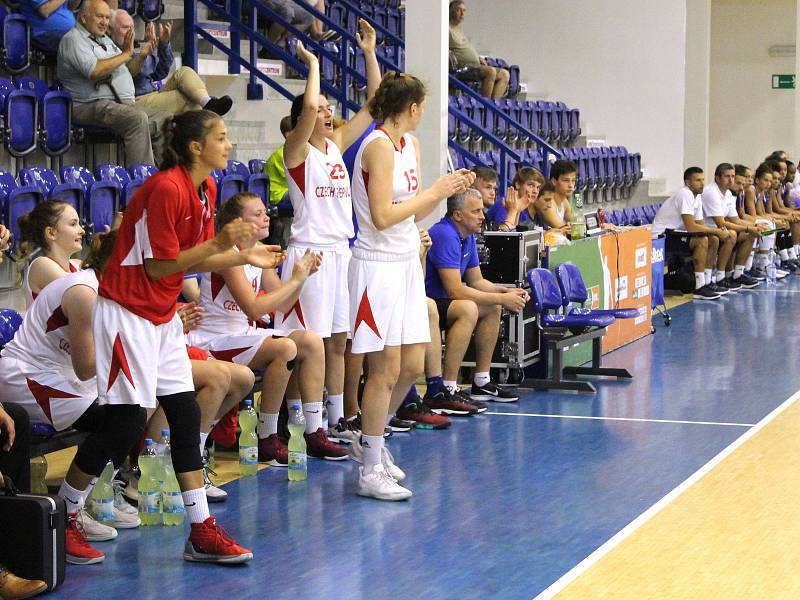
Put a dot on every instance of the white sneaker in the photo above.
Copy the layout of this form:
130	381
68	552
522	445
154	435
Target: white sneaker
387	460
213	493
344	431
95	532
780	273
129	480
378	484
125	515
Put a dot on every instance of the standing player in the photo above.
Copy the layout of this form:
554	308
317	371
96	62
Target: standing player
388	310
168	229
319	189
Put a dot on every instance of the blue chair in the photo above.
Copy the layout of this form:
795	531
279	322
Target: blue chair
129	6
54	115
573	289
79	175
141	171
10	321
46	182
560	331
258	184
21	119
256	165
17	201
16	51
236	167
129	189
102	204
112	172
151	10
229	185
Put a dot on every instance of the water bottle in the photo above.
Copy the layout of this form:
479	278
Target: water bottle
103	496
577	224
248	442
771	269
38	474
298	467
149	484
171	498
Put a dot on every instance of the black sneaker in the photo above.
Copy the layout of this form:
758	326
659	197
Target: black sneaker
729	284
220	105
492	392
705	293
746	281
401	425
716	289
759	274
445	403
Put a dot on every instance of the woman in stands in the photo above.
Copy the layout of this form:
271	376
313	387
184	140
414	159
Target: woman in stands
50	235
388	310
232	304
168	228
319	189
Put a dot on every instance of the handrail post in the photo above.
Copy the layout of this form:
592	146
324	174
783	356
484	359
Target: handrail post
344	49
235	8
255	91
189	35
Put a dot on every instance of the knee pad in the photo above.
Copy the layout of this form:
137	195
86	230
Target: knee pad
183	416
120	430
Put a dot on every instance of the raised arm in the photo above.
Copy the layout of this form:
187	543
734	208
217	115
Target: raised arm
295	149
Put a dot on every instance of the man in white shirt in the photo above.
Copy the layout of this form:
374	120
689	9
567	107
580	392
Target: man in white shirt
719	208
681	218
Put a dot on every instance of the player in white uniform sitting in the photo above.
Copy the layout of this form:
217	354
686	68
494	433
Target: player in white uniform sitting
388	308
50	235
232	304
319	188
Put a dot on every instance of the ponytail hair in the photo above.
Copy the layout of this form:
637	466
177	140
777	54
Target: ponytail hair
182	129
233	207
32	228
394	94
99	251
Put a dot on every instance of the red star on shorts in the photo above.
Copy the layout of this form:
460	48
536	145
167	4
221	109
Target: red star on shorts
298	310
227	355
44	393
364	315
119	362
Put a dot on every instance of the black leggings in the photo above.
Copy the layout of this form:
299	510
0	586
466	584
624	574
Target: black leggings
16	462
183	416
114	428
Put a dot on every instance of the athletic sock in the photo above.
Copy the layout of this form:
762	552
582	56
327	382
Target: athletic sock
335	406
372	445
729	274
707	274
784	254
205	101
792	253
74	499
749	264
481	378
412	396
196	505
267	424
699	280
203	438
435	385
738	270
451	386
313	413
719	276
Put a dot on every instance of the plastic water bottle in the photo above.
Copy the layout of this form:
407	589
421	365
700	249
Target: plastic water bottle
248	442
298	461
149	484
771	269
38	474
171	498
103	496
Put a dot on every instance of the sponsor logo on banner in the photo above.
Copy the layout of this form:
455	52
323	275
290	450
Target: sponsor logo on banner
641	292
657	255
640	281
270	68
621	286
594	297
217	32
641	257
640	320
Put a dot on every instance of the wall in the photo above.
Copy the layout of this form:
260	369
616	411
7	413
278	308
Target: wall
620	61
748	119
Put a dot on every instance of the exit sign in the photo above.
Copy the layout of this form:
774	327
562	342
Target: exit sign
783	82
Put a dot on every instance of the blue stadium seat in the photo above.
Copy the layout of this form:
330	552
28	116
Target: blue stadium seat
21	119
16	51
546	297
574	124
17	201
102	204
150	10
229	185
256	165
129	5
142	171
112	172
258	184
80	175
236	167
573	289
129	189
10	321
55	115
46	182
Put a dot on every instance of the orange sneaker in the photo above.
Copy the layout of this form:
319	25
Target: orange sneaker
79	550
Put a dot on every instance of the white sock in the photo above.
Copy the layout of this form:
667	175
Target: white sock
699	280
719	276
313	413
729	274
797	249
784	254
749	264
707	274
761	260
205	101
203	438
196	505
481	379
738	270
74	499
267	425
792	253
335	408
372	445
451	386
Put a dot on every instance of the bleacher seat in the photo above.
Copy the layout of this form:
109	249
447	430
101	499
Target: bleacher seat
142	171
150	10
21	120
129	6
101	198
10	321
256	165
258	184
17	200
46	181
16	42
573	289
111	172
236	167
129	189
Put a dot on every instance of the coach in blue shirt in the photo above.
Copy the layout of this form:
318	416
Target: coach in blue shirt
466	301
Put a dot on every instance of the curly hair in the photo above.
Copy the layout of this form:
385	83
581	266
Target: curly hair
395	92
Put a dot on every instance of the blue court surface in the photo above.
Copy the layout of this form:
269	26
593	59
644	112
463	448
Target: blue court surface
504	503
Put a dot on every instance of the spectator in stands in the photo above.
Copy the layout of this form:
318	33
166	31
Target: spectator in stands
494	81
92	69
519	205
274	168
719	209
486	184
183	91
682	214
558	214
49	20
466	300
297	16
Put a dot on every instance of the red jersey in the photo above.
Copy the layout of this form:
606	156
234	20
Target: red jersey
165	217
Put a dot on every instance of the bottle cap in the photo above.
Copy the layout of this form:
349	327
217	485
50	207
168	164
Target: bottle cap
295	406
164	432
148	441
248	403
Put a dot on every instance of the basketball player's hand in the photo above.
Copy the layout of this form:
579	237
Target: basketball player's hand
266	257
307	265
453	183
366	39
235	232
7	425
304	55
515	299
425	242
191	316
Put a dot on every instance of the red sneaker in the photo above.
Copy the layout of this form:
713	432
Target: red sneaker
423	417
273	451
79	550
208	542
319	446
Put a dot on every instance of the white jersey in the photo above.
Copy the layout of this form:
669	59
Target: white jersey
222	315
42	339
399	239
319	189
29	295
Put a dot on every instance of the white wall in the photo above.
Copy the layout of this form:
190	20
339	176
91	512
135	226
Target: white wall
748	119
620	61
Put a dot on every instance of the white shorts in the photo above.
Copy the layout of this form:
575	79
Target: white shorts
324	303
49	397
388	306
136	359
766	242
235	348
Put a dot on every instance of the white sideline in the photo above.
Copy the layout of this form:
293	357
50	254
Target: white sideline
595	556
619	419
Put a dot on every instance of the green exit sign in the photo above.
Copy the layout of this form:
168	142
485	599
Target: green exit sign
783	82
